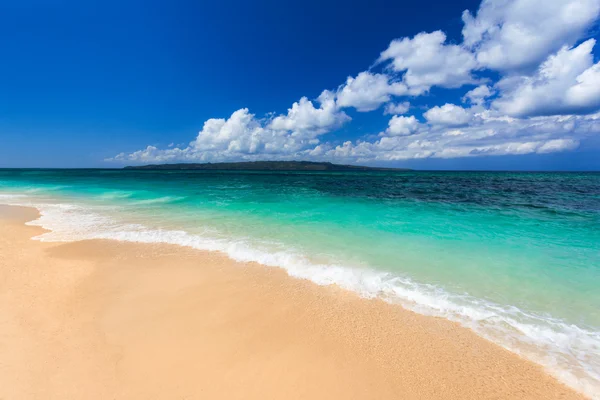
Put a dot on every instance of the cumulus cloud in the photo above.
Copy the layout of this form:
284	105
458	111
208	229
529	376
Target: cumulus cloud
478	95
566	83
533	88
400	126
517	34
303	119
396	109
427	61
491	137
448	115
243	136
405	138
368	91
585	94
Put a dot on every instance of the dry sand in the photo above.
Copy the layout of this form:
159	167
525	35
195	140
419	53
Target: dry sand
112	320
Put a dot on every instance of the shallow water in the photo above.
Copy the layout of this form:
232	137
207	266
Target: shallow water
514	256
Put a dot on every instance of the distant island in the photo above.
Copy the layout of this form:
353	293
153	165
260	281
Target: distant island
265	166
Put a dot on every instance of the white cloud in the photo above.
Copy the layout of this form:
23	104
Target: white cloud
585	94
539	102
556	145
566	83
517	34
396	109
428	61
478	95
448	115
303	119
399	126
454	132
150	154
491	137
404	139
240	133
243	136
368	91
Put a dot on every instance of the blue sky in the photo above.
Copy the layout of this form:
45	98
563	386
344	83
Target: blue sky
106	84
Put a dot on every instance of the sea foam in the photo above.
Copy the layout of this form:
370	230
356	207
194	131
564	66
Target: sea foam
569	352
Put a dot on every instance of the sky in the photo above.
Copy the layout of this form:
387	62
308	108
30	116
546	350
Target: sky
497	84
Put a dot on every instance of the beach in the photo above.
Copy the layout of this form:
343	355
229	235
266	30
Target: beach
107	319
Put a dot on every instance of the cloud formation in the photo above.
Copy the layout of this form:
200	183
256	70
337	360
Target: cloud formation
401	126
304	120
566	83
478	95
396	109
448	115
368	91
427	60
525	68
490	137
243	136
519	34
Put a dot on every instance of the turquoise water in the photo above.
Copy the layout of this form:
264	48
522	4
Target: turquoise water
513	256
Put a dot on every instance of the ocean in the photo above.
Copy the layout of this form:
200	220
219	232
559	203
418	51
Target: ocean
514	256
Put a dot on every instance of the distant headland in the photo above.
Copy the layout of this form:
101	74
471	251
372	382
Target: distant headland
266	166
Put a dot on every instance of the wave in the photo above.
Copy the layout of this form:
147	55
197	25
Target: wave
567	351
116	195
4	197
46	189
157	200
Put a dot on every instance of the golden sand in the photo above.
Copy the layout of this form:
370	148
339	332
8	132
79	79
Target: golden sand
111	320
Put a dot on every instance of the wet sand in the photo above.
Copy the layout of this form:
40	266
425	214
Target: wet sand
104	319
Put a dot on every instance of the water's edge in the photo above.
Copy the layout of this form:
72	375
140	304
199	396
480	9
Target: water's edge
565	351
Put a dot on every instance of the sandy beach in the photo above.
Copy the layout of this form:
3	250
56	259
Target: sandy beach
104	319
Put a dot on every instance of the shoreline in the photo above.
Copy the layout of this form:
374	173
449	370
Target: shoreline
167	321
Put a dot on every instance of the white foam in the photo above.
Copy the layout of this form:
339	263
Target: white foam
7	198
569	352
